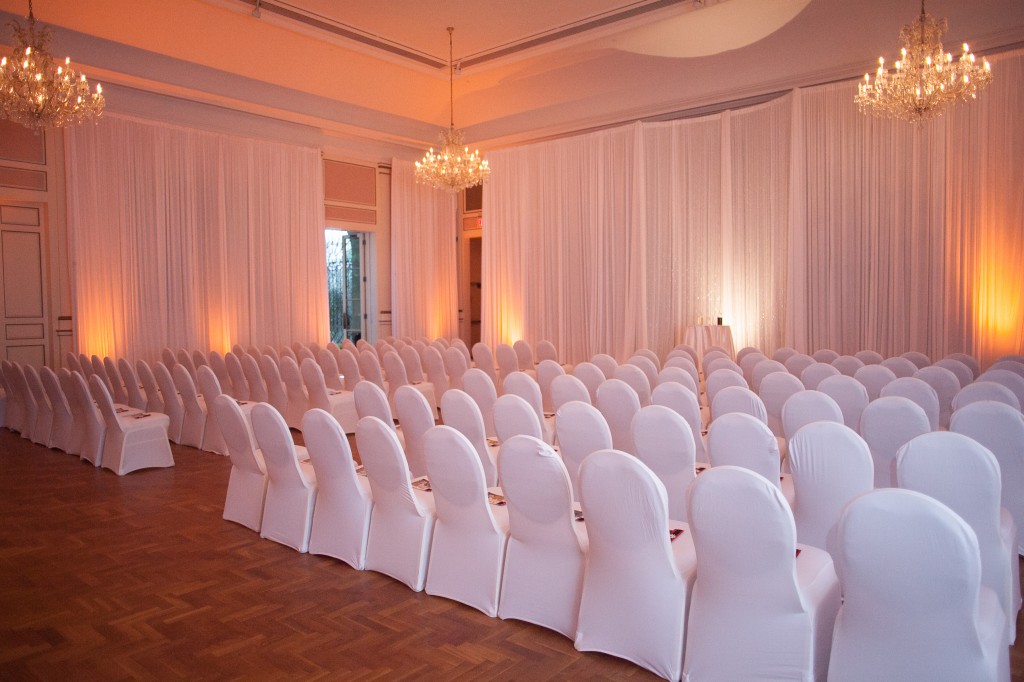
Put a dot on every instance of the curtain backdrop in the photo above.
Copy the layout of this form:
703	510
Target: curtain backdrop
801	221
424	284
184	238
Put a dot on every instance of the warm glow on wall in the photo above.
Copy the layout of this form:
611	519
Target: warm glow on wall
997	292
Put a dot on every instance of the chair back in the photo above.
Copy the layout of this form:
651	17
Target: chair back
963	372
369	367
900	366
869	357
565	388
173	407
874	377
591	375
919	359
886	424
826	355
371	401
648	363
349	366
783	354
808	406
386	467
527	388
276	394
816	373
796	364
484	360
117	389
547	372
239	386
918	391
131	385
847	364
329	367
1011	380
763	369
606	363
637	380
738	439
220	368
683	402
581	430
946	386
167	356
99	370
278	448
849	394
458	483
258	392
747	363
61	435
513	416
416	417
154	399
460	412
738	399
664	442
524	355
619	403
316	387
456	366
984	390
395	370
239	438
413	365
775	390
508	361
968	360
478	385
546	351
437	375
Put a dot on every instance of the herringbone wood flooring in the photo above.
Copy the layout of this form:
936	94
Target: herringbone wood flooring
134	577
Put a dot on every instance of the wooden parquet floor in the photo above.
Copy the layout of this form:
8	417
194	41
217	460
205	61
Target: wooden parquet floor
139	577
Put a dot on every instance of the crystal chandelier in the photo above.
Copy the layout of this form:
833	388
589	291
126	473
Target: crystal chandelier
36	92
452	167
926	79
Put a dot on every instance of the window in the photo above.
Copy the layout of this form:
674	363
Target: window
345	284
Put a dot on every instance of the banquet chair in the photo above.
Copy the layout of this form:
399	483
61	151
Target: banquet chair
464	349
650	355
173	407
546	351
370	368
131	384
592	377
416	417
154	398
546	551
649	367
437	375
1015	366
886	424
690	351
678	375
776	388
247	482
763	369
806	407
15	411
254	378
526	387
762	605
547	372
397	377
849	394
27	400
341	515
220	369
606	364
339	404
637	581
782	354
524	356
709	357
349	366
720	380
1011	380
193	419
72	362
722	363
984	390
831	464
946	386
663	441
133	441
745	351
62	436
329	367
1000	428
413	365
86	365
964	475
209	388
738	439
816	373
304	353
370	401
637	380
467	551
116	382
43	423
483	358
796	364
683	402
918	391
900	366
968	360
874	377
919	359
168	358
237	349
87	421
298	399
455	365
99	370
276	394
930	620
236	374
963	373
513	416
565	388
825	355
184	358
287	352
581	430
402	521
508	361
748	362
869	357
291	484
738	399
618	403
460	412
847	364
198	360
686	365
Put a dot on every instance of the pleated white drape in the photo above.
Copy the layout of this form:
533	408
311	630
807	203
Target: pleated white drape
801	221
185	238
424	291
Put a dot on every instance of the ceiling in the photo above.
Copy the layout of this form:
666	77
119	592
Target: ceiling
372	76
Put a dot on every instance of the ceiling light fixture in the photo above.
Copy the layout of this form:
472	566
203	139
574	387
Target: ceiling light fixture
926	79
453	167
37	93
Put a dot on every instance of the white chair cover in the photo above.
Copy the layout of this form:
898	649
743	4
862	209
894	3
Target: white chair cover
763	369
847	364
87	421
679	376
618	403
683	401
738	439
131	383
416	418
413	364
477	384
524	354
806	407
455	365
1000	428
464	349
547	549
131	442
220	369
946	385
395	369
566	388
690	351
247	483
154	399
72	362
508	361
874	377
650	355
964	475
258	392
783	354
1015	366
869	357
886	424
291	485
918	391
816	373
637	581
547	372
761	607
747	363
194	418
198	360
738	399
437	375
919	359
298	399
963	373
826	355
527	388
581	430
483	358
685	364
745	351
402	522
849	394
647	365
913	604
467	552
776	388
173	406
349	366
341	516
276	394
460	412
184	359
513	416
637	380
796	364
901	367
968	360
116	382
14	417
339	404
1005	377
62	423
606	364
664	442
239	384
546	351
721	379
370	401
984	390
831	464
592	377
43	423
332	374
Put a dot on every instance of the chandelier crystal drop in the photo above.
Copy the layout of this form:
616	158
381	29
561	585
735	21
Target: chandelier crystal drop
926	79
453	167
38	92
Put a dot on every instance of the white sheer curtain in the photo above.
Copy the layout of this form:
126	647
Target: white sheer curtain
424	291
185	238
800	221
